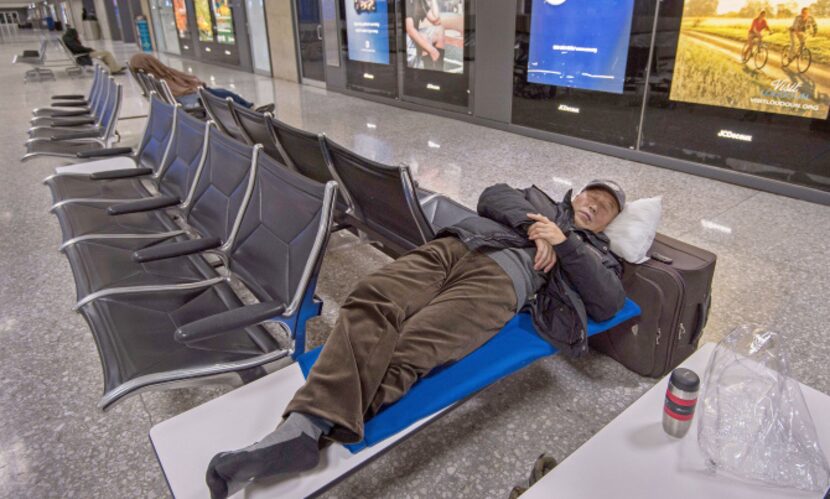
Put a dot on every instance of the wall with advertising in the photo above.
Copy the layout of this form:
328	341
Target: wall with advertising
367	26
180	12
743	85
686	84
224	22
716	65
204	22
580	44
438	53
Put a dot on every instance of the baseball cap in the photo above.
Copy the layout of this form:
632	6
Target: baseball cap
611	187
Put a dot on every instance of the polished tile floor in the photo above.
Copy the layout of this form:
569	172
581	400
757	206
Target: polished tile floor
772	270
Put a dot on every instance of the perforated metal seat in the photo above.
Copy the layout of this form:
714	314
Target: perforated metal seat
51	116
219	110
85	219
255	127
155	337
212	214
74	108
69	146
46	127
306	153
386	204
125	184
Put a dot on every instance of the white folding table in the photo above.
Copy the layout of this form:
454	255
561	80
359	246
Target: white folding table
633	457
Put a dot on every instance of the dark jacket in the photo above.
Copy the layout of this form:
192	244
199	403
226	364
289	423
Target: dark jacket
585	282
73	43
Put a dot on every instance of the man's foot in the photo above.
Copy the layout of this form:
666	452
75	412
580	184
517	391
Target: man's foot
228	472
291	448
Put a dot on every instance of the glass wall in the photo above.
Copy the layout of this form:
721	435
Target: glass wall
164	20
433	66
686	80
758	110
580	67
259	36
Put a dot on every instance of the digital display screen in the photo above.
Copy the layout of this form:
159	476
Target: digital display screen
769	56
224	22
180	11
435	35
204	24
580	44
367	26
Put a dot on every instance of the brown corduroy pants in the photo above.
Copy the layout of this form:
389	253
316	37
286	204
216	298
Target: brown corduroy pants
430	307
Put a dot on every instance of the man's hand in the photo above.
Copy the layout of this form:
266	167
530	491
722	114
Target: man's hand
545	230
545	256
434	54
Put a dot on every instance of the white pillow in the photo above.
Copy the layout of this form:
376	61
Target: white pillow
632	232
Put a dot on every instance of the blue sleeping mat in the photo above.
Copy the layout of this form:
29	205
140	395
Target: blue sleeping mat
514	347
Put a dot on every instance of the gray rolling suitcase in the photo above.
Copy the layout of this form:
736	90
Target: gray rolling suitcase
674	291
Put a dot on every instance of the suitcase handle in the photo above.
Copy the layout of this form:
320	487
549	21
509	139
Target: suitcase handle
662	258
702	318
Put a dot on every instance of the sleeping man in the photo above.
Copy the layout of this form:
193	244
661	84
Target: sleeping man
438	303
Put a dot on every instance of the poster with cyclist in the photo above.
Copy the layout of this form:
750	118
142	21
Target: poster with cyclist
760	55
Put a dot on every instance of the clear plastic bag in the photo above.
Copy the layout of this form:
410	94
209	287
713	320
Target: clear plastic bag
753	422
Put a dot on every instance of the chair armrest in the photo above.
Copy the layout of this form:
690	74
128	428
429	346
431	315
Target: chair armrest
73	122
68	114
181	248
105	153
69	103
90	134
150	204
226	322
69	97
123	173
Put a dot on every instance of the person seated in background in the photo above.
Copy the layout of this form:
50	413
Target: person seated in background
438	303
184	86
73	43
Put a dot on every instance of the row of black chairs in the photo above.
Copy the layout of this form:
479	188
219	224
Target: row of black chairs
156	268
380	201
75	124
154	248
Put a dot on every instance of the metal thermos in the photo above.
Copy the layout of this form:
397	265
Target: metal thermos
681	398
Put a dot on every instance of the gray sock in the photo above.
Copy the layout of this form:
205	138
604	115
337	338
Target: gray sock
292	448
296	424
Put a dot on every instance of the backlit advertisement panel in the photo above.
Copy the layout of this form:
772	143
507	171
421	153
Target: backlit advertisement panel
204	24
580	44
770	56
180	11
224	22
367	26
435	35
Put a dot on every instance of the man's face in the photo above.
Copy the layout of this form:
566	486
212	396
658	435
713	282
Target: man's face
594	209
805	13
